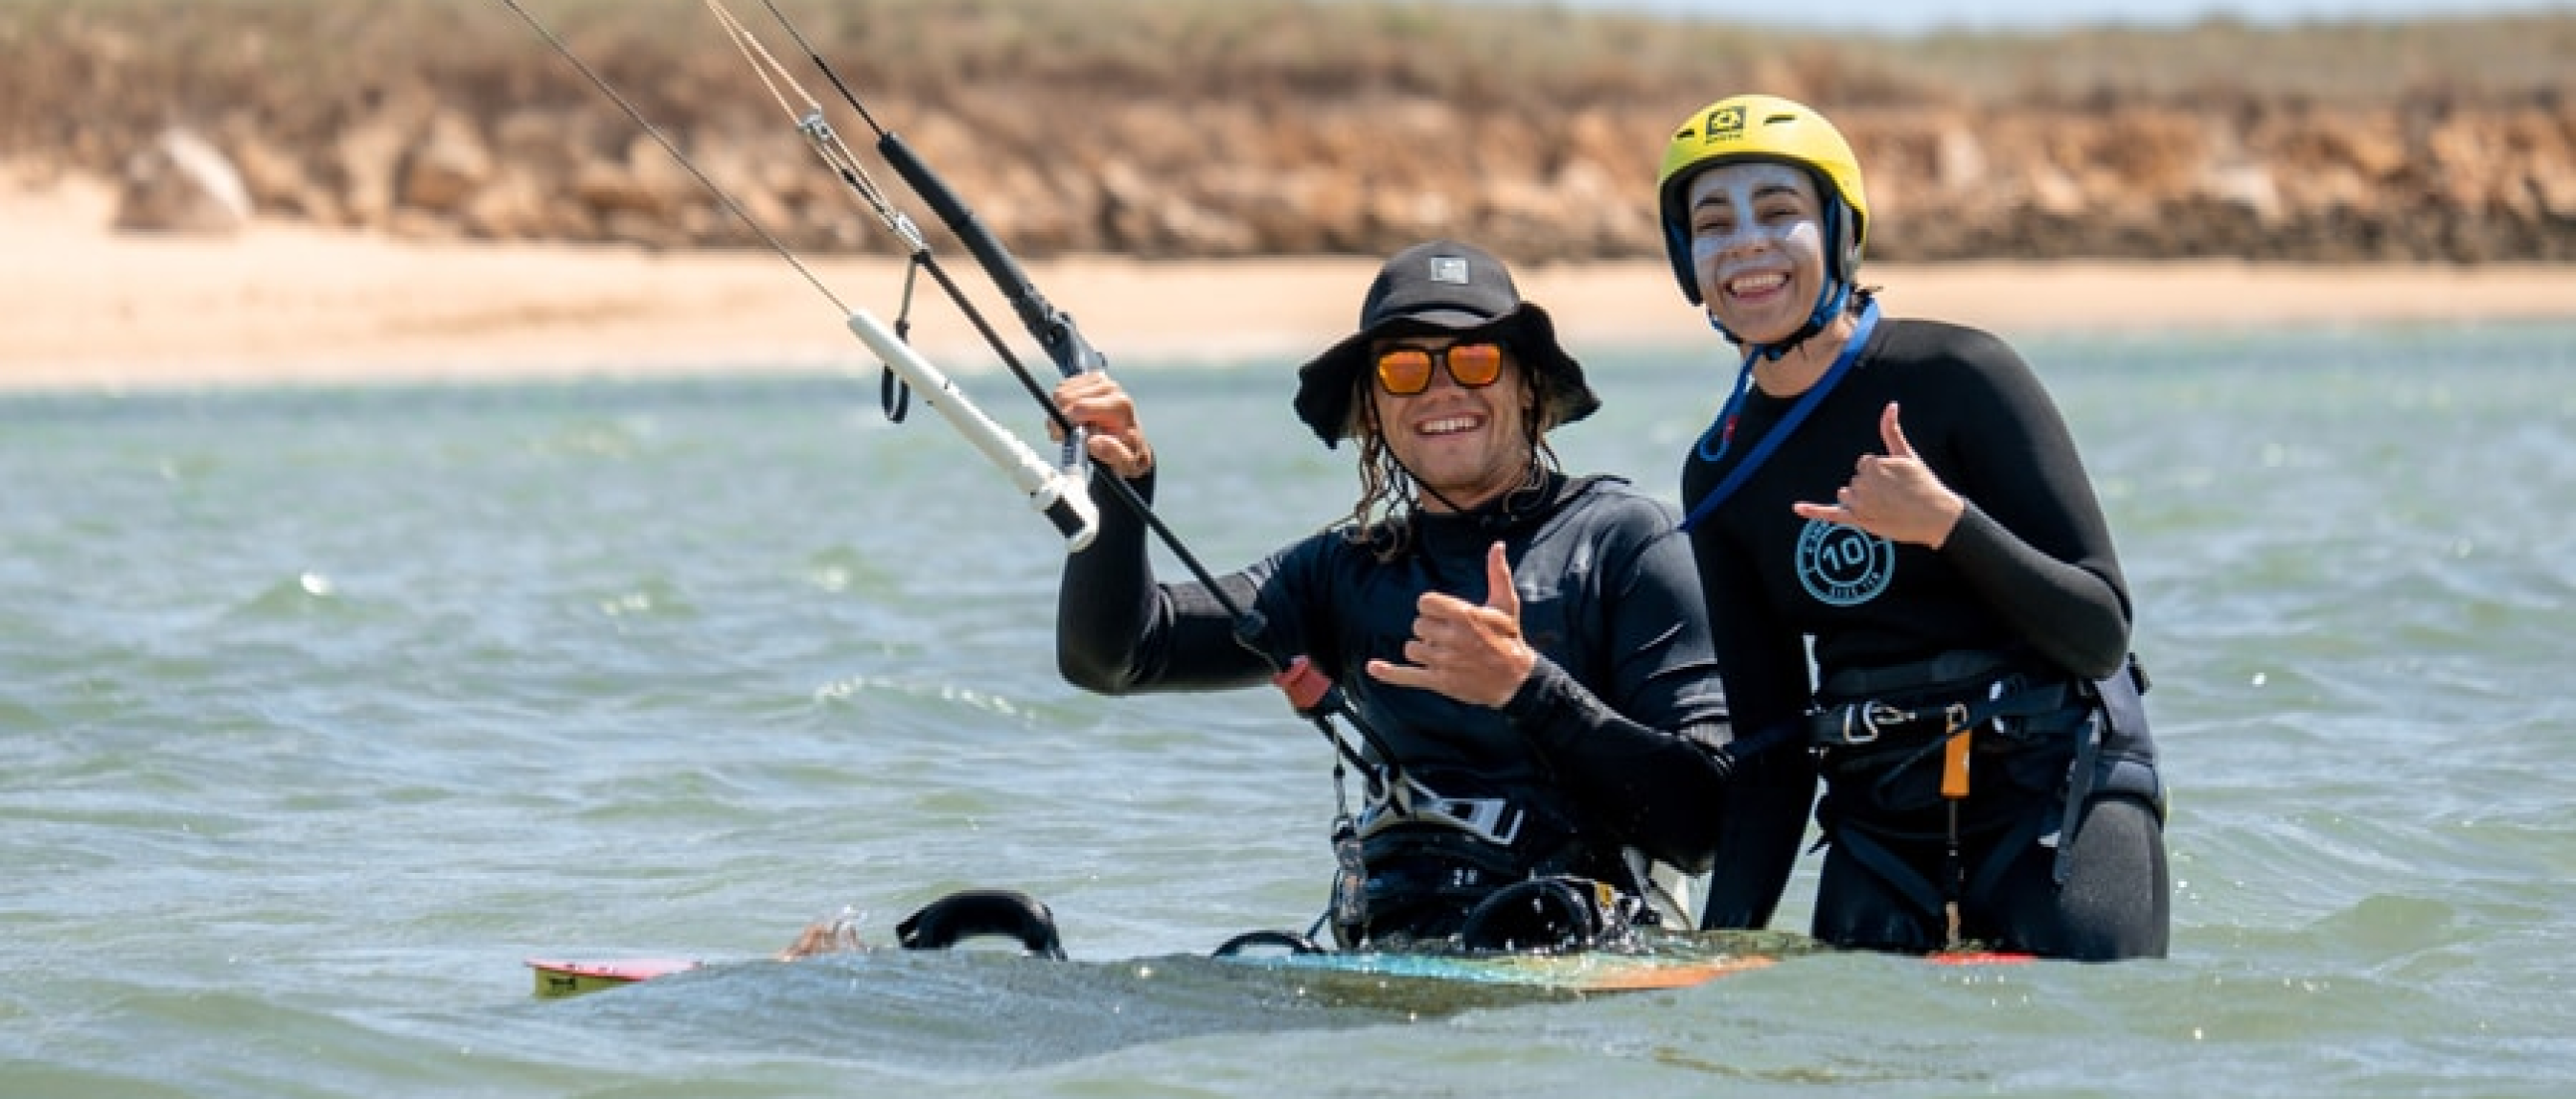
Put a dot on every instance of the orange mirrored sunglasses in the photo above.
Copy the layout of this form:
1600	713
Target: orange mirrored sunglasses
1405	371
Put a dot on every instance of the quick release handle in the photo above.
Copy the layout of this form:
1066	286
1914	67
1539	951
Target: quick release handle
1050	326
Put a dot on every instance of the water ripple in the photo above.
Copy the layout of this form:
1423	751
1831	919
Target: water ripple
326	708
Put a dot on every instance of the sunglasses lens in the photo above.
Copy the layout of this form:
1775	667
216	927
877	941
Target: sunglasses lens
1476	364
1405	371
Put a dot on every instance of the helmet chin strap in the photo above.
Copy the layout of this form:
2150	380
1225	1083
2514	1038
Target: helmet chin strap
1829	304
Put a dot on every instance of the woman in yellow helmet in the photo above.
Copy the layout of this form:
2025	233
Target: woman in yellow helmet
1970	706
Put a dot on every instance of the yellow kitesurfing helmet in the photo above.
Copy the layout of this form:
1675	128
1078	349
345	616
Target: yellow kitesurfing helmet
1762	127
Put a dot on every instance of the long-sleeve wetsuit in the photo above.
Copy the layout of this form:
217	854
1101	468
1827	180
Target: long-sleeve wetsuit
1616	729
2029	569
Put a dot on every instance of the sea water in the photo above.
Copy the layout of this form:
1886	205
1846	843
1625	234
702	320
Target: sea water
320	709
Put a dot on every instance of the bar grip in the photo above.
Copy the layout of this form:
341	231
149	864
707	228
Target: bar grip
1053	330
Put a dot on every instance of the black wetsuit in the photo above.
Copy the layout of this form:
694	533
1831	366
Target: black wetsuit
2028	574
1611	742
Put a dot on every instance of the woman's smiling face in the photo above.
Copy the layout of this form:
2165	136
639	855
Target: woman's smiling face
1758	247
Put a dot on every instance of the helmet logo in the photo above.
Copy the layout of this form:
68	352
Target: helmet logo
1449	269
1725	123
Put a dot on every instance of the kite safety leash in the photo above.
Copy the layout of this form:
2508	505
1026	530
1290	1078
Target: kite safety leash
1061	491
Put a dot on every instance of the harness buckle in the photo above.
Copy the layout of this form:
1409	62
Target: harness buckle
1494	820
1870	715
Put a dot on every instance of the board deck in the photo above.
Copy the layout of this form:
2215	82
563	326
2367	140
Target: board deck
557	978
1581	972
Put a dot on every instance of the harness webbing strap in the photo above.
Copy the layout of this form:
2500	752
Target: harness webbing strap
1879	860
2121	709
1937	901
1860	724
1959	719
2079	788
2005	850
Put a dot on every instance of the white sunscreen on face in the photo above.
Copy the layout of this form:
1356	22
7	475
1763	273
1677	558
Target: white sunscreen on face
1748	215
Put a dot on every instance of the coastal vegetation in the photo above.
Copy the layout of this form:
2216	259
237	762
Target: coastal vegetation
1199	128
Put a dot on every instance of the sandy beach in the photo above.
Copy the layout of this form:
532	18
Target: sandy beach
92	309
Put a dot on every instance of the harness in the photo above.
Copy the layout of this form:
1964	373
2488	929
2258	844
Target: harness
1964	706
1417	863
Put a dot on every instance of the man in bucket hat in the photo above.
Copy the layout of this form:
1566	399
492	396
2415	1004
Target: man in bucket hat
1529	649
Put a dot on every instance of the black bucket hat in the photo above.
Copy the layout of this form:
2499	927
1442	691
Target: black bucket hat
1443	288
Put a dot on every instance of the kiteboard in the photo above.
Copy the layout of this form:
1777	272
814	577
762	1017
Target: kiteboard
1591	971
1581	971
1640	959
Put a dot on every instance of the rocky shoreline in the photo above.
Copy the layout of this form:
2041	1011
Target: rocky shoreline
479	132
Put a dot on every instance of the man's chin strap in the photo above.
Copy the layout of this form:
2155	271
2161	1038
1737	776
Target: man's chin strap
1534	477
1434	493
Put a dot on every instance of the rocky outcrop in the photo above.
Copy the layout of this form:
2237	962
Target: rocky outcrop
2388	183
502	143
179	183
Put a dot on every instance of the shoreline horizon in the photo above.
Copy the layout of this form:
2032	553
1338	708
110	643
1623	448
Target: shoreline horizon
284	303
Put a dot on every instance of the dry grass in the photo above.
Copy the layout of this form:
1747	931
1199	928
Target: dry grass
304	64
2222	63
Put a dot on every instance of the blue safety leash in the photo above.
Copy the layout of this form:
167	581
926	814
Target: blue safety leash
1724	426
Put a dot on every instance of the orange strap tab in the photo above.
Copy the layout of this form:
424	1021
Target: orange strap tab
1954	765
